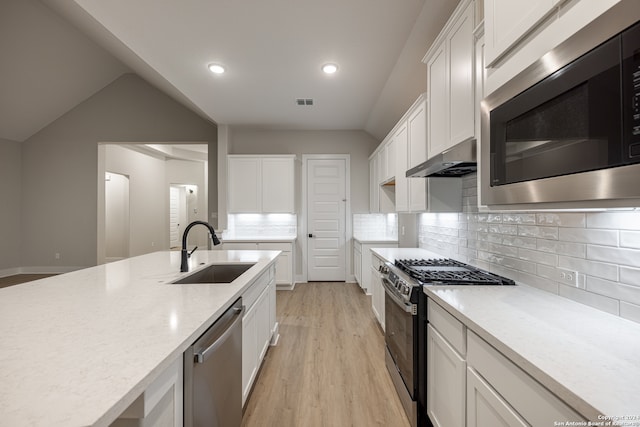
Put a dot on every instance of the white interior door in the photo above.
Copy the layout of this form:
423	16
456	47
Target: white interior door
326	219
174	221
177	214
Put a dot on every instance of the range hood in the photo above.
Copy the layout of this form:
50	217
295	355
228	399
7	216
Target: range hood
456	161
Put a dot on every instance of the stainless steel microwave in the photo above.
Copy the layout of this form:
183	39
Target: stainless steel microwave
566	131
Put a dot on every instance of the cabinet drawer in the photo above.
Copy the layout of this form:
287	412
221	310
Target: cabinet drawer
537	405
250	296
448	326
376	262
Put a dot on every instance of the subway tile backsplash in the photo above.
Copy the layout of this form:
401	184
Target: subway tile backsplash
261	225
535	248
375	226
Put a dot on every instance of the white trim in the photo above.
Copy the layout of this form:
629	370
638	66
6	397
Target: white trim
38	270
302	230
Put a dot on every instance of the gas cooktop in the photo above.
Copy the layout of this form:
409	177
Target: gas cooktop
445	271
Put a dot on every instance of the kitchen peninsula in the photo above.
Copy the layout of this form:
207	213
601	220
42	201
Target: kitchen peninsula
78	349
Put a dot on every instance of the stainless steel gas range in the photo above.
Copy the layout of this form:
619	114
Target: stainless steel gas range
406	322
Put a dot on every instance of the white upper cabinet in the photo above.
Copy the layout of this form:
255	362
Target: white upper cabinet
450	82
244	189
460	48
520	32
417	128
507	21
411	150
387	161
417	141
261	184
437	89
402	156
374	190
278	185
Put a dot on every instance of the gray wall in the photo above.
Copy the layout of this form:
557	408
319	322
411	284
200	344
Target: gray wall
10	188
60	166
358	144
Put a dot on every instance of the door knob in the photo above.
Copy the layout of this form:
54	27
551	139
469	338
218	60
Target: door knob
310	235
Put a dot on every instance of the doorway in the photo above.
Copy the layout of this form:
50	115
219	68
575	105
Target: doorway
117	216
327	209
183	209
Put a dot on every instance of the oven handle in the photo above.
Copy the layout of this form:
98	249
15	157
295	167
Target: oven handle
408	308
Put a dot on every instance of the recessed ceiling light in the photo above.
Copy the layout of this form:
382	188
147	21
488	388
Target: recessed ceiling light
216	68
329	68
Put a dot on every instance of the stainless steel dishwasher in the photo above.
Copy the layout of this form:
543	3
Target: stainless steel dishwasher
213	374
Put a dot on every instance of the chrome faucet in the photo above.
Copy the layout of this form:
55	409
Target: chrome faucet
184	264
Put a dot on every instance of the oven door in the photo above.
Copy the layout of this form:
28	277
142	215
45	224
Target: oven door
399	335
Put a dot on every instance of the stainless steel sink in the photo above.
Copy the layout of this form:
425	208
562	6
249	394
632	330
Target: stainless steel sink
216	273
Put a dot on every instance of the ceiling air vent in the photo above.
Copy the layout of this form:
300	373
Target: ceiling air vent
304	101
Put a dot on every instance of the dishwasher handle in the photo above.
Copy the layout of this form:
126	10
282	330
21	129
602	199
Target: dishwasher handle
202	356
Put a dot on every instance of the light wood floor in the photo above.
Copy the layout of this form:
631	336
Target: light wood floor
328	367
21	278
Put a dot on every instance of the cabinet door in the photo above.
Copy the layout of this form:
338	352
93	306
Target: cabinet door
381	159
284	262
244	175
417	141
417	133
357	262
272	312
374	189
460	47
390	150
284	269
402	182
249	351
263	323
278	185
507	21
485	407
438	106
446	378
377	296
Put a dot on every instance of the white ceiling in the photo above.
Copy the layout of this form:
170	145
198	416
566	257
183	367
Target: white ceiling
273	52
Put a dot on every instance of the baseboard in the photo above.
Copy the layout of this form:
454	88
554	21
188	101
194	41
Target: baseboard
38	270
10	272
283	287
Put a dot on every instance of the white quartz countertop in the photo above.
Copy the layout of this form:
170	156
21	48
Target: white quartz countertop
77	349
372	239
588	358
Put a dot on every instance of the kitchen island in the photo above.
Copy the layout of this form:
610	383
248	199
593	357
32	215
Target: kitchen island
536	349
77	349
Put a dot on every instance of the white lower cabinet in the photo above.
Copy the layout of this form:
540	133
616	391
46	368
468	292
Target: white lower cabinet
284	263
487	408
161	404
446	369
357	262
249	351
363	259
258	327
377	290
471	383
521	393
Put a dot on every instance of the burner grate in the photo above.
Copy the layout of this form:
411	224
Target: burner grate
449	272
